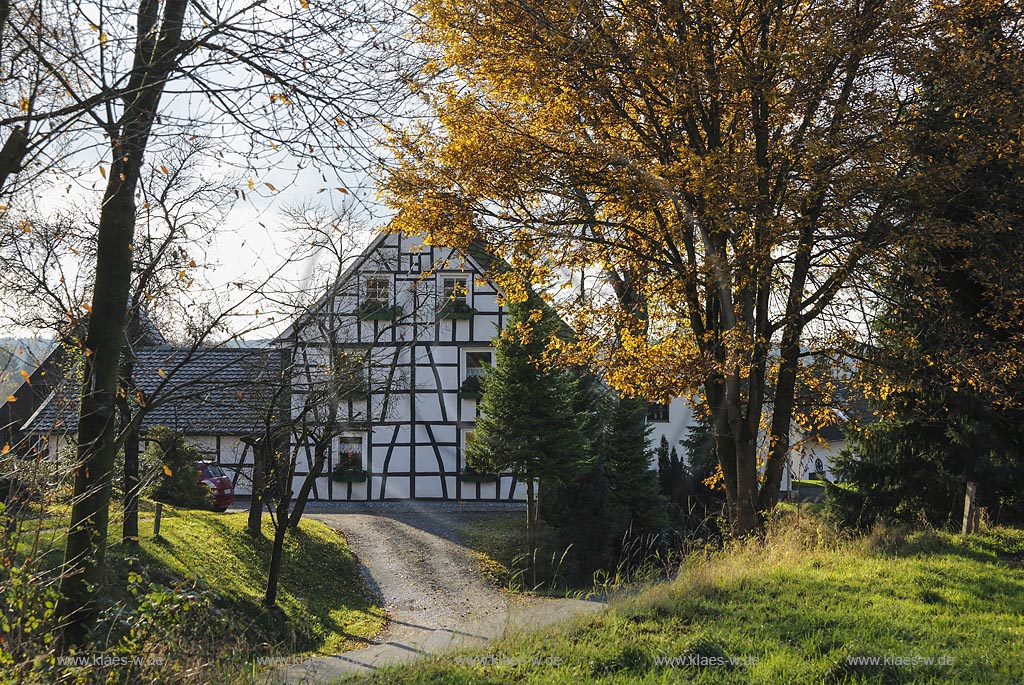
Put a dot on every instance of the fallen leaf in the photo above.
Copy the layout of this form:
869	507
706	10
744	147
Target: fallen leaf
167	471
24	374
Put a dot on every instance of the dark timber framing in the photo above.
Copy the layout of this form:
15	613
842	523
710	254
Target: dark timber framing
413	418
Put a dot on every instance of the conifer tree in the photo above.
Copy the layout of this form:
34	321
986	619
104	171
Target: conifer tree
946	374
530	424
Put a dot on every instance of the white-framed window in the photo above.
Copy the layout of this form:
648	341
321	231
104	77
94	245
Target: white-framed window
350	452
477	362
377	289
454	289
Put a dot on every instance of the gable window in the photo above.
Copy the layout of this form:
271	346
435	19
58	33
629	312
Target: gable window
454	289
657	412
374	306
377	289
453	300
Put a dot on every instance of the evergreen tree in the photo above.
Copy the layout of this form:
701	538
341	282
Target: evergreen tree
693	503
947	376
530	423
580	510
665	476
640	507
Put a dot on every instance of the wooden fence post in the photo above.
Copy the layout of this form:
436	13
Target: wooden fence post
970	524
156	519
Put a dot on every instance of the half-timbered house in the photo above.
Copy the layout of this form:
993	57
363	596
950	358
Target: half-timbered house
416	323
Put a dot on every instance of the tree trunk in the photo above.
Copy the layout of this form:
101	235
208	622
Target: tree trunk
319	458
16	147
782	413
748	518
259	486
274	573
87	533
531	533
280	530
82	578
132	485
130	525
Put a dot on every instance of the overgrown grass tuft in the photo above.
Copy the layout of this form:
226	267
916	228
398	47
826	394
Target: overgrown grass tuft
807	606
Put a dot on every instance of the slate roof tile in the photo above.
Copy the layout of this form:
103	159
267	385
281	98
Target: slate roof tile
205	391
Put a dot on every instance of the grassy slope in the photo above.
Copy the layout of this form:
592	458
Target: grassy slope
322	592
800	606
324	602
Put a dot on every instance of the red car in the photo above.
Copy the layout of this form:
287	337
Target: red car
213	476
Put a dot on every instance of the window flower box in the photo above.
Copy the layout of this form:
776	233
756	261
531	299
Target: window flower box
375	310
347	475
349	467
455	310
469	475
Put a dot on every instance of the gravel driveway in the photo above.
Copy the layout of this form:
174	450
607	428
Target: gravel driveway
430	587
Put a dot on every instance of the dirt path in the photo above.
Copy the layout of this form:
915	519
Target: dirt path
430	587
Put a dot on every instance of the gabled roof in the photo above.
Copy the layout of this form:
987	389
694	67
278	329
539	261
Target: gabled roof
343	277
201	391
476	252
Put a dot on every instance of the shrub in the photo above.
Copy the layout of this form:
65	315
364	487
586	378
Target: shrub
178	484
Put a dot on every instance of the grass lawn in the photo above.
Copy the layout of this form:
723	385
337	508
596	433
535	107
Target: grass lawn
322	594
324	604
496	544
803	608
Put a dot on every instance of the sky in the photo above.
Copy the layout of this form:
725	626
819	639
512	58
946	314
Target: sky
252	242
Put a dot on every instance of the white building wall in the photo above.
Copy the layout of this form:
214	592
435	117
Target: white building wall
412	425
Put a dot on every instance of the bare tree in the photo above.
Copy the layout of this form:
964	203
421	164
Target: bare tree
256	77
